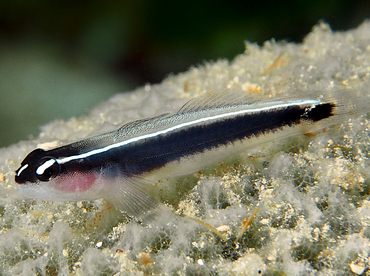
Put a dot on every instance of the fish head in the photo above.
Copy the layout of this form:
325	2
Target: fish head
36	167
42	176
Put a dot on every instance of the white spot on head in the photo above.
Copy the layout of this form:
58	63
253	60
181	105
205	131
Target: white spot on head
22	169
40	170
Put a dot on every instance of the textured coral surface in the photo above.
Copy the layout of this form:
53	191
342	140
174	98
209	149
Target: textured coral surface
298	206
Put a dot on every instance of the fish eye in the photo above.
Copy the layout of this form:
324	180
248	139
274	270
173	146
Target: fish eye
48	169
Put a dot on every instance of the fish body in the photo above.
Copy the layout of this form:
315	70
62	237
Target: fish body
120	164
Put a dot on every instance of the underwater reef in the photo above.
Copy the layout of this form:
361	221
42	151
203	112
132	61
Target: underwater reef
296	206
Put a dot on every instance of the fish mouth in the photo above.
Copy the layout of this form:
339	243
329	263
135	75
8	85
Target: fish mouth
20	175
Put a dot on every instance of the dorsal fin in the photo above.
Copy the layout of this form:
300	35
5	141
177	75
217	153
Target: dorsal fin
143	121
216	100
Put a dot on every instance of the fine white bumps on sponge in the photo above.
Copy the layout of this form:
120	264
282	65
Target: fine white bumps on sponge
311	192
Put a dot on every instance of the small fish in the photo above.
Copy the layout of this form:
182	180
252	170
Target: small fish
119	165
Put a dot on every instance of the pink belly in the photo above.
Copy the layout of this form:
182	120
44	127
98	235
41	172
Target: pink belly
76	182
